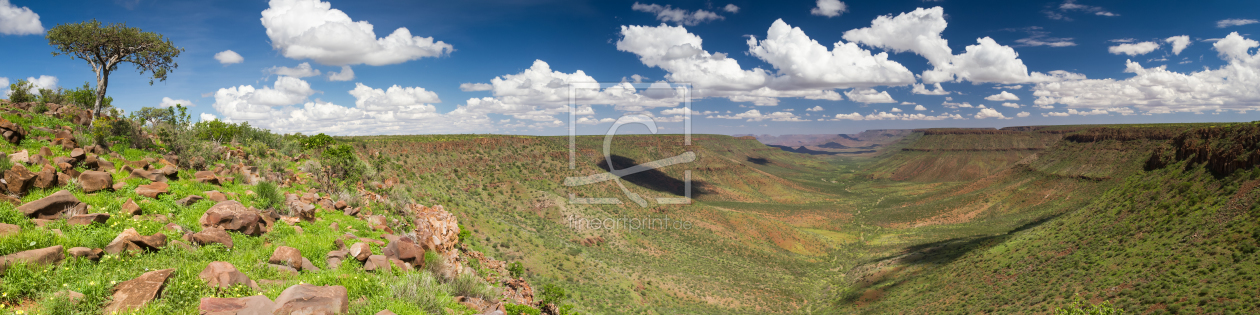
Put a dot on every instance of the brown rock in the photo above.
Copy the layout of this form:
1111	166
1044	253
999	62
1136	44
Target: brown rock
403	249
146	174
286	256
119	186
310	299
250	305
223	275
42	256
45	151
284	269
94	181
20	157
46	178
130	240
12	132
9	199
350	211
436	229
206	177
233	216
9	229
385	312
130	207
216	196
360	251
135	293
77	154
340	205
152	190
64	179
84	252
308	266
51	207
376	262
211	235
188	201
18	179
86	219
169	171
335	258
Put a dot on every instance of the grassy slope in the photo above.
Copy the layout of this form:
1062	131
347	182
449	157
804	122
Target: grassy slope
30	287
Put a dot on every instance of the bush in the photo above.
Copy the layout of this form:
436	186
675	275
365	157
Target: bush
552	294
85	97
419	289
340	165
20	92
1081	307
515	309
5	164
269	195
50	96
468	284
433	263
318	141
516	269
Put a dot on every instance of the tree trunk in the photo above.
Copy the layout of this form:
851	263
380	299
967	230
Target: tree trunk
102	81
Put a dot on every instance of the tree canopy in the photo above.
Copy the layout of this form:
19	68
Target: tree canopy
105	47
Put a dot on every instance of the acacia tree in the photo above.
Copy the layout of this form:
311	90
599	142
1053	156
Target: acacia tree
106	47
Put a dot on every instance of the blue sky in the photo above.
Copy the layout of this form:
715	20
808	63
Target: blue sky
812	66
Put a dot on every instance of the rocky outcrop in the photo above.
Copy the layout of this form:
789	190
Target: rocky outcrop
250	305
12	132
223	275
53	206
135	293
233	216
436	229
188	201
310	299
130	207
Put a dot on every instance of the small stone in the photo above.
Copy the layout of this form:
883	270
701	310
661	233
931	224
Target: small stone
360	251
130	207
86	219
223	275
152	190
188	201
376	262
286	256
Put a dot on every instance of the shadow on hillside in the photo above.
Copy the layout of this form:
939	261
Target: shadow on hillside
758	161
936	253
654	179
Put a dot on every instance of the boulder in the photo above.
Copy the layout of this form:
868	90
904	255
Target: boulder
436	229
84	252
46	178
18	179
68	161
360	251
376	262
211	235
64	178
250	305
206	177
51	207
152	190
215	196
86	219
9	229
223	275
135	293
334	258
168	171
149	175
42	256
351	211
308	266
188	201
403	249
130	240
94	181
130	207
20	157
12	132
310	299
233	216
77	154
286	256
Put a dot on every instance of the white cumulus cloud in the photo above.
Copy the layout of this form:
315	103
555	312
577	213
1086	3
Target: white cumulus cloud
1179	43
1011	105
803	63
989	113
1022	114
227	57
1004	96
677	16
470	87
890	116
1133	49
869	96
730	7
16	20
169	102
346	74
919	107
301	71
814	109
312	29
829	8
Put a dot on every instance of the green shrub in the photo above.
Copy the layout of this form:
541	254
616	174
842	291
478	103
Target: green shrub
5	164
552	294
1081	307
420	289
340	165
468	284
520	309
268	195
50	96
316	142
516	269
20	92
85	97
464	234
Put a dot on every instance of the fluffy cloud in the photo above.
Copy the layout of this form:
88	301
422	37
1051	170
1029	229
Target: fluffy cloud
169	102
301	71
394	98
346	74
869	96
919	107
1011	105
679	16
312	29
1179	43
919	31
1134	49
803	63
1004	96
42	82
1234	22
18	21
829	8
207	117
895	110
1233	86
1022	114
226	57
593	121
922	89
888	116
989	113
1099	111
730	7
814	109
470	87
4	86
